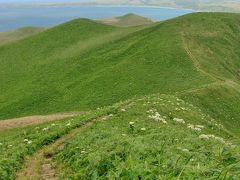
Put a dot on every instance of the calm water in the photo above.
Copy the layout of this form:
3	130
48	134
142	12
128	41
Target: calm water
12	18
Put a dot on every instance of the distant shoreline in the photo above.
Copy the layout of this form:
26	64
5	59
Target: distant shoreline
88	5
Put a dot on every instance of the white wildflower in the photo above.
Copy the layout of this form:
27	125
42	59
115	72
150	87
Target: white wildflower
25	140
131	123
197	129
200	126
123	110
143	129
110	115
211	136
45	129
53	124
157	117
29	142
181	121
194	128
185	150
219	139
69	124
204	137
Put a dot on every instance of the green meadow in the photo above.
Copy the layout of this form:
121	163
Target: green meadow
160	99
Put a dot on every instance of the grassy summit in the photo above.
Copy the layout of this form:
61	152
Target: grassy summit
127	20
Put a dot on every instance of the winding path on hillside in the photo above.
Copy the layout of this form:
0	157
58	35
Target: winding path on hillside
40	165
217	80
194	60
32	120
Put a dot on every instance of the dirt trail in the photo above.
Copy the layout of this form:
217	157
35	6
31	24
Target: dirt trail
30	120
40	165
196	63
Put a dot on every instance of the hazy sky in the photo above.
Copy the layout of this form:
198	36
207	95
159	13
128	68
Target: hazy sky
32	1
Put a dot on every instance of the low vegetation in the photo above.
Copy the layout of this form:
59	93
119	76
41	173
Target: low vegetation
176	85
11	36
17	143
156	137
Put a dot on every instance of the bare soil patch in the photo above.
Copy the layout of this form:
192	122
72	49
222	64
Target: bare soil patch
40	165
31	120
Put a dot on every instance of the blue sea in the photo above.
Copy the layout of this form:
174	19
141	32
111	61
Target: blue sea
43	16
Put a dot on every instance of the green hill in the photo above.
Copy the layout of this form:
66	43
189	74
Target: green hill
83	65
7	37
161	101
127	20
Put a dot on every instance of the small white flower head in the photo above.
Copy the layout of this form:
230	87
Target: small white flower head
69	124
131	123
29	142
164	121
204	136
181	121
220	139
83	152
110	115
185	150
53	124
123	110
45	129
197	129
143	129
25	140
200	126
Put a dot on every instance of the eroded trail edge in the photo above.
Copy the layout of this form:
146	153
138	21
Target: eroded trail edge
40	165
32	120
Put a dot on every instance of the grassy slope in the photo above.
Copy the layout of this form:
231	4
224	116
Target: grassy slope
213	40
71	67
11	36
112	149
102	71
221	101
127	20
216	51
83	64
